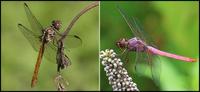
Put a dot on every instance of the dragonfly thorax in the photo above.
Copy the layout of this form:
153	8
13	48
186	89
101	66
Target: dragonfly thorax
48	34
135	44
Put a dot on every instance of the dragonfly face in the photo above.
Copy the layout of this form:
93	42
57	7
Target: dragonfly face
122	43
56	24
50	32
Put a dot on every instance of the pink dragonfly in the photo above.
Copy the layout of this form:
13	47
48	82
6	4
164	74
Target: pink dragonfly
138	44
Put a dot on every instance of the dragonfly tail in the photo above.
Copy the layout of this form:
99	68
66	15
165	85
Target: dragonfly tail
170	55
37	66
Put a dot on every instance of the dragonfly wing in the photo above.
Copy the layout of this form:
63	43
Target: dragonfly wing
51	48
138	29
129	22
50	52
140	65
155	65
33	39
134	26
72	41
35	25
137	60
142	35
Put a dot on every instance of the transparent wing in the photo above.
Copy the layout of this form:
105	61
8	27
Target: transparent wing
33	39
138	29
155	65
50	52
143	36
35	25
72	41
135	27
51	47
147	63
131	23
140	64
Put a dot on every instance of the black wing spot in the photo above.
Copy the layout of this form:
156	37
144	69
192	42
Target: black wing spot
77	36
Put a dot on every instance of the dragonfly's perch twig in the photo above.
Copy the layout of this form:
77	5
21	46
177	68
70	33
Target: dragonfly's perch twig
117	75
92	5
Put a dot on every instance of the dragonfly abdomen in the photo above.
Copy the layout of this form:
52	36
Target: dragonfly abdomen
162	53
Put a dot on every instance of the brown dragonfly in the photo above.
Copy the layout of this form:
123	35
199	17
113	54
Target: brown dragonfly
44	40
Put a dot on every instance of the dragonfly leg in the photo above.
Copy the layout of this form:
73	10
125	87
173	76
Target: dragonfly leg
126	57
54	41
123	51
137	60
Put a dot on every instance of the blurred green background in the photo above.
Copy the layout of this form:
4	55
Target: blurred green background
173	26
18	57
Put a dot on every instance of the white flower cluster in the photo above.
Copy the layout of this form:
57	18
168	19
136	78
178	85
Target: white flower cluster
117	75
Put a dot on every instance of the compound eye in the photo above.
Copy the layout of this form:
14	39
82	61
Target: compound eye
56	24
117	43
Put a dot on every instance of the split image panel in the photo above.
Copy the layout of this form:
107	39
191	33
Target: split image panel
99	46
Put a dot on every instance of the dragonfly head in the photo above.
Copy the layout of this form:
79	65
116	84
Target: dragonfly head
56	24
122	43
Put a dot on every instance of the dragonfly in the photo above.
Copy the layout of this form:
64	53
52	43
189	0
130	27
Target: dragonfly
44	40
139	44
